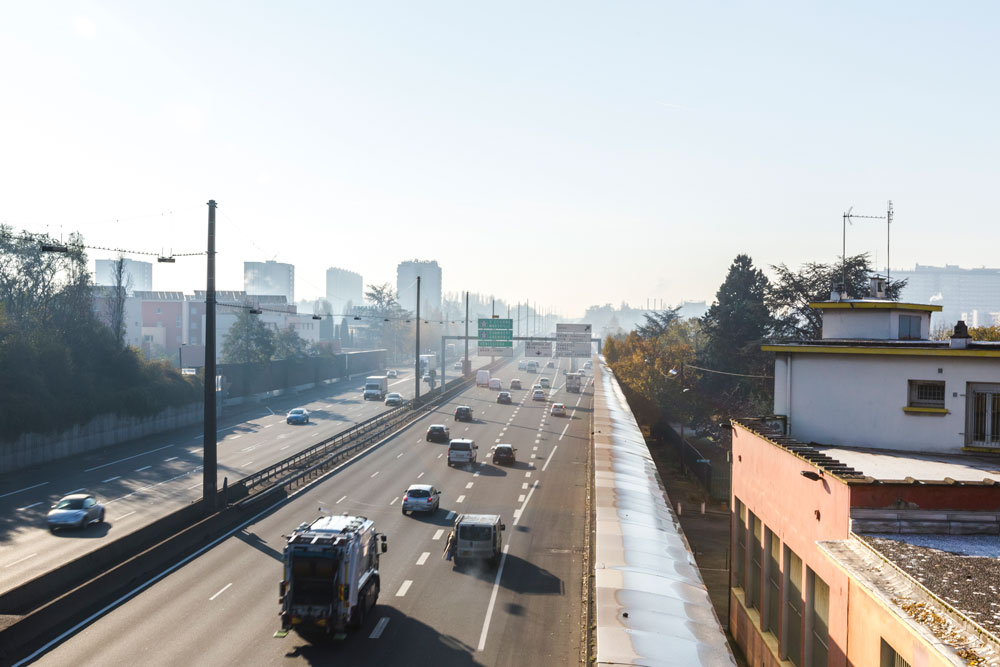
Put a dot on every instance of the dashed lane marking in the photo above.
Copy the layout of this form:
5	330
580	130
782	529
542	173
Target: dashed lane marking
438	533
405	587
423	557
127	458
527	474
221	591
550	458
564	431
520	498
343	498
119	518
393	501
379	628
469	485
375	473
111	479
420	475
20	560
460	499
172	458
21	509
524	485
143	468
451	515
27	488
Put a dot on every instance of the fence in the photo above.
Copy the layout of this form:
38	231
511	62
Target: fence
711	469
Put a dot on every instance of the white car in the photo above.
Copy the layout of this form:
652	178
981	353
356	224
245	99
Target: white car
391	373
421	498
538	395
495	384
545	383
558	410
515	384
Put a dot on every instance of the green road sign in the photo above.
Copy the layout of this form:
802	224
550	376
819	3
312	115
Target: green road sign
485	323
495	343
495	334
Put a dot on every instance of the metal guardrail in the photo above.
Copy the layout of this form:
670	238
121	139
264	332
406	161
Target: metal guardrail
331	450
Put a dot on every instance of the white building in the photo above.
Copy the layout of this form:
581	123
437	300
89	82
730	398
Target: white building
430	286
972	295
343	287
138	275
875	380
270	278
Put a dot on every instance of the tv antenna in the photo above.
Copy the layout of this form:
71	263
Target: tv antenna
848	217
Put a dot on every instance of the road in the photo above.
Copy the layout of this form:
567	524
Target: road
143	480
221	608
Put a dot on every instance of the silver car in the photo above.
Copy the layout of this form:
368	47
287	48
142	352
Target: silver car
421	498
78	510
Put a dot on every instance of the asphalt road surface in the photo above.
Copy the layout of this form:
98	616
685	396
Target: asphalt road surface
143	480
221	608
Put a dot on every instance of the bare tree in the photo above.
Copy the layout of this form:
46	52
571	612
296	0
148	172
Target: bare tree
121	285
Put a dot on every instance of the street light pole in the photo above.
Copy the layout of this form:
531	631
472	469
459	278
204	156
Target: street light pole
209	458
416	363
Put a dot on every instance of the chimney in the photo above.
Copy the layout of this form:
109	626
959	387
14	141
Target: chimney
960	338
837	292
876	287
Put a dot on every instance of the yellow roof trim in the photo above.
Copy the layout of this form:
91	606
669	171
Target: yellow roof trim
874	305
882	351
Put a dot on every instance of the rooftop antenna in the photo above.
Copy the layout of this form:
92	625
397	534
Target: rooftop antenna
848	217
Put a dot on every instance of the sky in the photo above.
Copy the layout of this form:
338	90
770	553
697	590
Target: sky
568	154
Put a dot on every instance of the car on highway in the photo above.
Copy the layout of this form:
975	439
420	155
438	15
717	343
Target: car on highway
391	373
551	364
478	536
515	383
536	387
545	383
538	395
462	450
558	410
428	378
588	364
531	366
457	365
438	433
463	413
421	498
394	398
77	510
504	397
495	384
504	454
521	364
297	416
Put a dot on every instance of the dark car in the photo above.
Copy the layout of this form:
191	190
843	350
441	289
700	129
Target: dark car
463	413
438	433
504	397
504	455
78	510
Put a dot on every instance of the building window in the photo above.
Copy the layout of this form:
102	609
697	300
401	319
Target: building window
926	394
909	327
159	311
890	658
773	581
819	613
753	576
983	427
791	624
740	548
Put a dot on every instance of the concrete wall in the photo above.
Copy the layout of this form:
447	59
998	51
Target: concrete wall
858	400
874	324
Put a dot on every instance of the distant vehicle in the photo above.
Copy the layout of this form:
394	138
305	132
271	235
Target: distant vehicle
573	383
457	365
495	384
421	498
504	454
438	433
538	395
504	397
558	410
521	364
482	378
376	387
463	413
393	399
77	510
297	416
331	577
462	451
536	387
544	381
428	363
429	379
531	366
391	373
551	364
588	364
515	383
479	536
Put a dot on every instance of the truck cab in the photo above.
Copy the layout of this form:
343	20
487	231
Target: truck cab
478	537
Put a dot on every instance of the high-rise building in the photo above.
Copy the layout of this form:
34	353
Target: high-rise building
138	275
343	287
269	278
972	295
430	286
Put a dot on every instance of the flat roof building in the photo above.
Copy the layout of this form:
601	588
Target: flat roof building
270	278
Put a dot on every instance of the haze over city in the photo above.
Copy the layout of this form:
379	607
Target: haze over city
571	156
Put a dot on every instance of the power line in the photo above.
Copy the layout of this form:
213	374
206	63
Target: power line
742	375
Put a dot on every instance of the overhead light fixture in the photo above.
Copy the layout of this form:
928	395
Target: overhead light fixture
356	317
256	311
166	260
317	317
809	474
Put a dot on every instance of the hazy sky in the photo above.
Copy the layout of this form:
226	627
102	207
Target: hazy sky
569	153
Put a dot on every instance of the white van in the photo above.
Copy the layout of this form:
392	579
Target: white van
482	378
495	384
462	450
478	536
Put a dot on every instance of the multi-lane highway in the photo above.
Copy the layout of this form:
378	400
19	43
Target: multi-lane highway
221	607
144	480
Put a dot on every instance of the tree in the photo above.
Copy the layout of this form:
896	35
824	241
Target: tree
789	295
121	285
657	322
288	344
249	341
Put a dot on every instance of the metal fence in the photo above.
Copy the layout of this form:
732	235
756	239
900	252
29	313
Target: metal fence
713	472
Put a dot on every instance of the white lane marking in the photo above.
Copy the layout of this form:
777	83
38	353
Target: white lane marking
70	493
221	591
21	560
375	473
172	458
518	513
399	455
233	437
466	428
341	500
423	557
197	436
249	449
285	447
420	475
269	410
393	501
469	485
475	474
379	628
535	448
460	499
441	454
190	487
111	479
536	442
405	587
21	509
550	458
268	425
564	431
127	458
520	498
118	518
143	468
527	474
10	493
498	439
451	515
438	533
248	463
572	413
524	485
493	600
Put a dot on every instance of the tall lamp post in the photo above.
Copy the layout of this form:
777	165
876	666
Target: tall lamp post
210	471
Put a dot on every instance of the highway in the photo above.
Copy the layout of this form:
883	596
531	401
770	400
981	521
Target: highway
221	608
146	479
